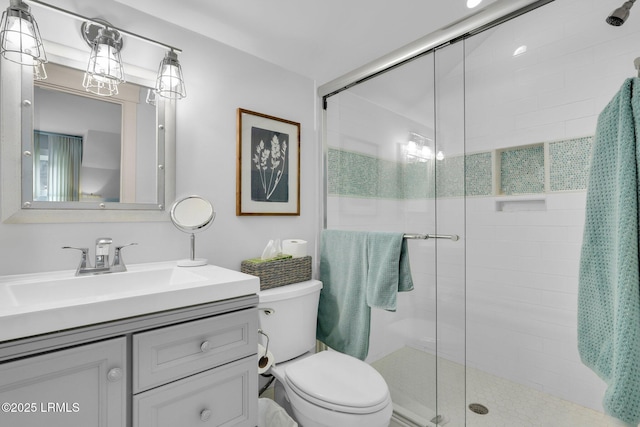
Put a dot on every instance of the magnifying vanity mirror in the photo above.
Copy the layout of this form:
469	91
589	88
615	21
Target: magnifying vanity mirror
192	214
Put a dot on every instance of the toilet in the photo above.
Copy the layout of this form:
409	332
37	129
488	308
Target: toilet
325	389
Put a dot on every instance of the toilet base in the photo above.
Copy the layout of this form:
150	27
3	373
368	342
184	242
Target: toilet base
281	398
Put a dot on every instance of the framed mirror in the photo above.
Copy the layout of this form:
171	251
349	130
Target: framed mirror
124	167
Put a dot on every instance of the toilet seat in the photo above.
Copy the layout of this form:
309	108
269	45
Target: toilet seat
338	382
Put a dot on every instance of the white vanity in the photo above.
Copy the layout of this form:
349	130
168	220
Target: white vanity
158	345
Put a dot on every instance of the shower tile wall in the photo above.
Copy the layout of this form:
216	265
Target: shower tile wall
522	170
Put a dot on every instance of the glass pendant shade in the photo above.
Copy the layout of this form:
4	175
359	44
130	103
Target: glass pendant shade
105	70
151	96
100	86
20	39
170	82
39	73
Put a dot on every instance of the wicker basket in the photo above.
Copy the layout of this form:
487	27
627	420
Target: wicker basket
279	272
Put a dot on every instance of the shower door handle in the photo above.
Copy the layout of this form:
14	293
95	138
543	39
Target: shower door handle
453	237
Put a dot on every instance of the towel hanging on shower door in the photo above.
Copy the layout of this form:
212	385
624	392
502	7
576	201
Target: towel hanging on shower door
359	270
609	283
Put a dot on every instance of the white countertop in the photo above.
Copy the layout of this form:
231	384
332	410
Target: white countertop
32	304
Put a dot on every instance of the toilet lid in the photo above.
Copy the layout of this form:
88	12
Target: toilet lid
338	382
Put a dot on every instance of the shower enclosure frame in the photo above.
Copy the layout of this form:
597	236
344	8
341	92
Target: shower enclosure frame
485	18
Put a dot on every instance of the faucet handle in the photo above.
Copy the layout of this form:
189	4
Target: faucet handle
118	248
83	257
117	256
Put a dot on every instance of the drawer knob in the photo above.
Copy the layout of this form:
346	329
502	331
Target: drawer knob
205	415
205	346
114	375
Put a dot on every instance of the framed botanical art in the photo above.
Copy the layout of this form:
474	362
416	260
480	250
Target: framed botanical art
268	165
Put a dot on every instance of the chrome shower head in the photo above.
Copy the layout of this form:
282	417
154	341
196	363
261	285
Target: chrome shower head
620	15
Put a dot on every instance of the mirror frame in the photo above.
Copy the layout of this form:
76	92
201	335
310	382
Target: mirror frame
16	115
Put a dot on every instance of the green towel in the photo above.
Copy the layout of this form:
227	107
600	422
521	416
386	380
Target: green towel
609	287
389	271
358	270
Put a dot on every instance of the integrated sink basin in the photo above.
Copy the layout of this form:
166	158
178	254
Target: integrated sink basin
67	289
33	304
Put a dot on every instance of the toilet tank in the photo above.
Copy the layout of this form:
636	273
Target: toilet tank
288	315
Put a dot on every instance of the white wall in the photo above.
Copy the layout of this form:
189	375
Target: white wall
219	80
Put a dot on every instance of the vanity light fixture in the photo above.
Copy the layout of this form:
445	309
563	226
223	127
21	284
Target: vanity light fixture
104	70
20	42
20	39
170	82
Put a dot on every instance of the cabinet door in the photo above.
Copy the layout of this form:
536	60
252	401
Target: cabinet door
225	396
77	387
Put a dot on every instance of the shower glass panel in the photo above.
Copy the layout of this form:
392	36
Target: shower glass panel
534	87
381	176
450	255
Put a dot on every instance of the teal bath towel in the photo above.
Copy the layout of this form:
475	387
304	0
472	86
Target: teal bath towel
389	271
359	270
609	292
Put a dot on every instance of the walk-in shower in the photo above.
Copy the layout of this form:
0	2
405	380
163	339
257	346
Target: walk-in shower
456	135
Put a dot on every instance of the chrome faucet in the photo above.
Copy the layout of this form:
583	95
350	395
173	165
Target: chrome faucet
102	266
103	244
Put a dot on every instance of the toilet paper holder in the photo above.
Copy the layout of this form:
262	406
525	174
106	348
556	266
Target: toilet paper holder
263	361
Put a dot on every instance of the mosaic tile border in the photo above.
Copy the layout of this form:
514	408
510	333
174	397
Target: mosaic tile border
522	170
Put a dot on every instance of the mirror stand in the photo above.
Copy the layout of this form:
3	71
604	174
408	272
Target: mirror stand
192	214
192	261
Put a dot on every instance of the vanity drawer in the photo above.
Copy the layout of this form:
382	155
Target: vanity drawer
225	396
168	354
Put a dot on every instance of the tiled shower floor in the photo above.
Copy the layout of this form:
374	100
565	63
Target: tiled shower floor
409	373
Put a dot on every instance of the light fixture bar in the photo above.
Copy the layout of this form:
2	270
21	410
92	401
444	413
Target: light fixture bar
97	22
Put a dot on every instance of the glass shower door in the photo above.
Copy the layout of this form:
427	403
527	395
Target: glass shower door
451	184
381	176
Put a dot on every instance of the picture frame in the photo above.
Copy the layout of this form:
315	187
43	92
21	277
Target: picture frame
267	165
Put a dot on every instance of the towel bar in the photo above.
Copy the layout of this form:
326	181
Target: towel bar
453	237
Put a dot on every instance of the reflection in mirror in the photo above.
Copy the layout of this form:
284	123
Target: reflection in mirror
99	151
76	147
192	214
